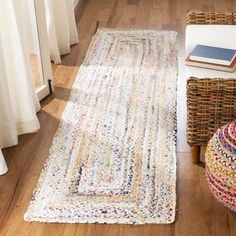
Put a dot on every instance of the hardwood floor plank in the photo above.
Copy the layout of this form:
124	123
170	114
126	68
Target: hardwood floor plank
198	213
143	13
220	224
133	2
116	13
189	214
27	168
232	222
80	9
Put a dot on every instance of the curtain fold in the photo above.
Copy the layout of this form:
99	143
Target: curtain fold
3	166
61	27
18	101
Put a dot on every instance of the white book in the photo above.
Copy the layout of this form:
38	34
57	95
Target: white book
211	66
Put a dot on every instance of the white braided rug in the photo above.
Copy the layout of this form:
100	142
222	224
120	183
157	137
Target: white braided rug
113	157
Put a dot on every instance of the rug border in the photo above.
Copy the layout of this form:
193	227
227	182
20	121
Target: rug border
44	168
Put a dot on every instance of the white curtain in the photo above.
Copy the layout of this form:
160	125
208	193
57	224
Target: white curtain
61	26
18	101
3	165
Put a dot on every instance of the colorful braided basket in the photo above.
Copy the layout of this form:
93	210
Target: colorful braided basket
221	165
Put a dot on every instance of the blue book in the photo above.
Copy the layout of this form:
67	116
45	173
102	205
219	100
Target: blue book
214	55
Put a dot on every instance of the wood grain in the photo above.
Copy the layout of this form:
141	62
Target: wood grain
198	213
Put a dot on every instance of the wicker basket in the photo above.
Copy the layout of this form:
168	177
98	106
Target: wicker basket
211	18
211	103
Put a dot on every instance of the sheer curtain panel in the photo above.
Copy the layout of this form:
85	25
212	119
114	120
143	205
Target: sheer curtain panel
61	27
18	101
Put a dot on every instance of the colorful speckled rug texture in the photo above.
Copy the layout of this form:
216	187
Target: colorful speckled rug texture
113	159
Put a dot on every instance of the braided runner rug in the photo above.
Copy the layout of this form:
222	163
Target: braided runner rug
113	158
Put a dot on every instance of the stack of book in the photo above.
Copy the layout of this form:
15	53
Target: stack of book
214	58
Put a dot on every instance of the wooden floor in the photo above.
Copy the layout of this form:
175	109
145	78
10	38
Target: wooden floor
35	69
198	213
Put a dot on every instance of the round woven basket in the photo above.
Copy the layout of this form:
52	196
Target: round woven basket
221	165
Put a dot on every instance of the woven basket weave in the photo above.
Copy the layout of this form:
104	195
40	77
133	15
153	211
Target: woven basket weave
212	18
211	103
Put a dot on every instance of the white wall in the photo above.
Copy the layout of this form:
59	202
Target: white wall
75	2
